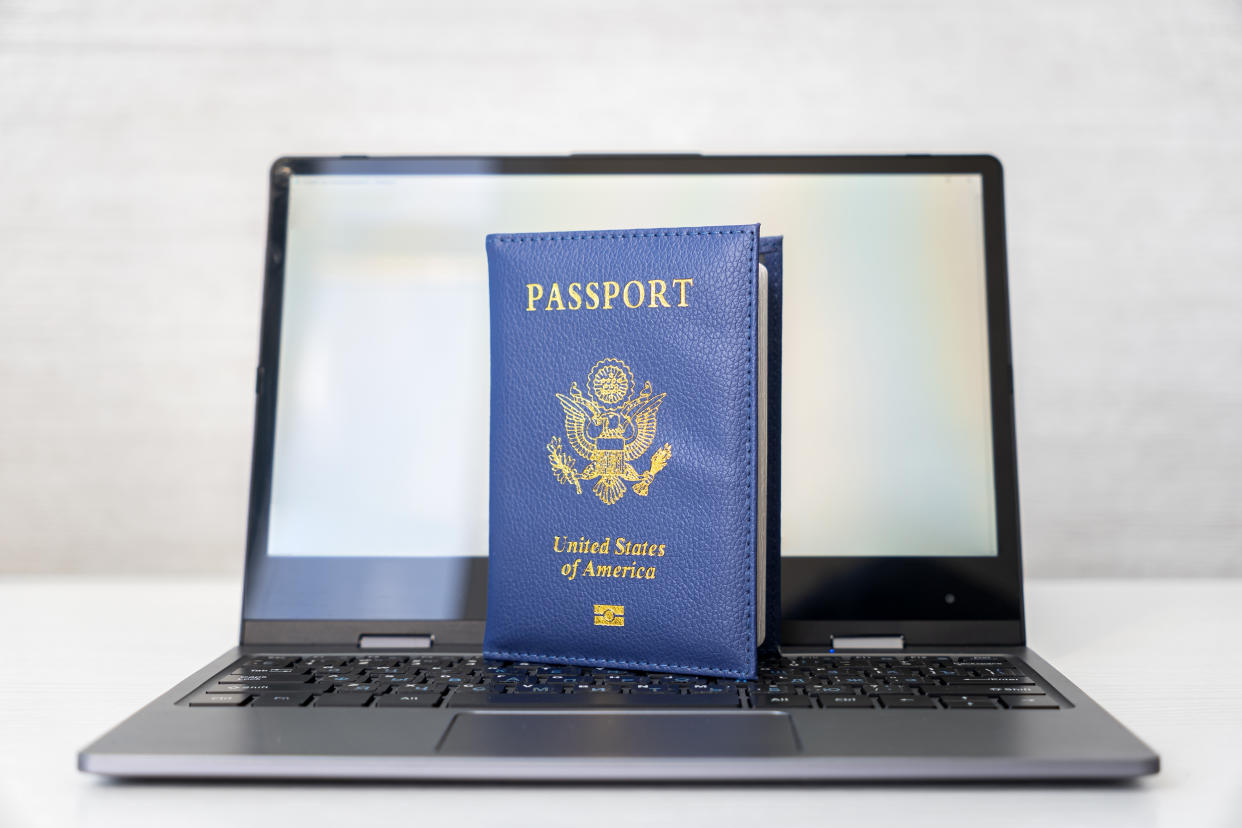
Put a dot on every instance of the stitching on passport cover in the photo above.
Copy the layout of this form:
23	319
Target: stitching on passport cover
597	236
601	662
748	570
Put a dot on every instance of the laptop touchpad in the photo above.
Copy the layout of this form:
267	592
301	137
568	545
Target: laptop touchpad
619	734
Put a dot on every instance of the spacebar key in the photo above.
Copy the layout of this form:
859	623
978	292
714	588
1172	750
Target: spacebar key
580	700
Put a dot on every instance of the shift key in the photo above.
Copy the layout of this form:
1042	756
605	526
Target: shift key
262	687
985	690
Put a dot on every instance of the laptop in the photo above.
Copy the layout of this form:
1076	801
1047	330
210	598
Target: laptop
902	649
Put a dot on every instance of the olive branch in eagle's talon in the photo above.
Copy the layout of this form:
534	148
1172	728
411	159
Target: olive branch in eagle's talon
562	464
658	460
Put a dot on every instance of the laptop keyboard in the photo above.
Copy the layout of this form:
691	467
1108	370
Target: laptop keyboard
833	682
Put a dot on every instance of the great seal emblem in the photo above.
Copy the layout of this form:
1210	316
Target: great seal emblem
610	427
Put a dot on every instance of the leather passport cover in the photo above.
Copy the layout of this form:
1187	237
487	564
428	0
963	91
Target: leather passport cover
624	498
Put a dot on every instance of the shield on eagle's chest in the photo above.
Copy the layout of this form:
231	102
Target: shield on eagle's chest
608	460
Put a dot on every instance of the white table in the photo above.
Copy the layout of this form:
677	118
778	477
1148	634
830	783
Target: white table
105	647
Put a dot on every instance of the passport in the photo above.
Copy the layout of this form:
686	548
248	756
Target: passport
632	497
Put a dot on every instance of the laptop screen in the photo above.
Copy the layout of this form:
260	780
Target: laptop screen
378	487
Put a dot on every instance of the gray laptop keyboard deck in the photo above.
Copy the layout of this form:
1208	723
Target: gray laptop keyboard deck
830	682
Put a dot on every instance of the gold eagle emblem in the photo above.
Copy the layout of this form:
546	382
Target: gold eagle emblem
610	427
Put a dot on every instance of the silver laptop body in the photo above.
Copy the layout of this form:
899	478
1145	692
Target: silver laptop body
897	498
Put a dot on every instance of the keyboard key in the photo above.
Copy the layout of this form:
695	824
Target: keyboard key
259	676
294	673
996	680
1030	703
534	689
974	698
219	700
342	700
908	703
985	690
326	661
896	691
977	703
407	700
274	662
786	700
847	703
264	687
280	699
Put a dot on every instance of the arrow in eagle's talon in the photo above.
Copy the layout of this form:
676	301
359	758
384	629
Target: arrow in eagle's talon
658	461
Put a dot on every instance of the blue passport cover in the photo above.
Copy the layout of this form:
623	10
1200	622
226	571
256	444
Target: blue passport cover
623	490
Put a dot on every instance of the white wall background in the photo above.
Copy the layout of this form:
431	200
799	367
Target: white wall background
135	137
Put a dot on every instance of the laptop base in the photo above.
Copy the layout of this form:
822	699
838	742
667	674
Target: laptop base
171	740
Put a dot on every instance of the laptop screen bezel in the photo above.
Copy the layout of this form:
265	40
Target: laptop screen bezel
934	600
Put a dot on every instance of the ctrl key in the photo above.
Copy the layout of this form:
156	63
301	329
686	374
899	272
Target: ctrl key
219	700
846	703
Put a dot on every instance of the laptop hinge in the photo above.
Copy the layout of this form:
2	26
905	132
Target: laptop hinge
868	642
395	642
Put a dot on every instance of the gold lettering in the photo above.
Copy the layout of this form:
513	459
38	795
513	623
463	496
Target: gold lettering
561	544
625	295
554	295
534	292
682	284
657	292
593	295
611	291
